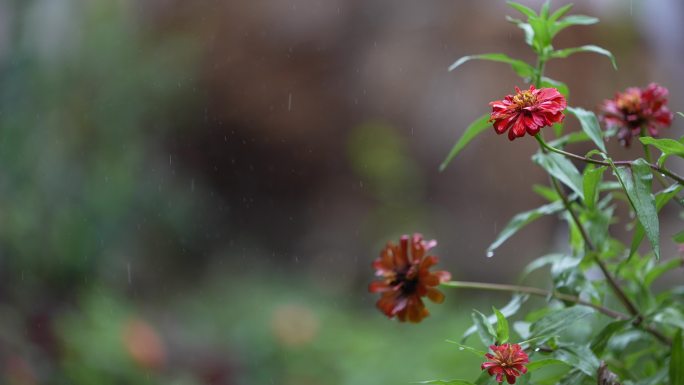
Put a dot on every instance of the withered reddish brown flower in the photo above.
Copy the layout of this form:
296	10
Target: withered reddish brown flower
637	111
508	360
405	278
527	111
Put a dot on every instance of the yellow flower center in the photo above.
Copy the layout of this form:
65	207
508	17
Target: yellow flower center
524	99
629	102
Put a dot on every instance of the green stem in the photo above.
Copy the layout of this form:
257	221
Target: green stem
627	163
622	296
551	294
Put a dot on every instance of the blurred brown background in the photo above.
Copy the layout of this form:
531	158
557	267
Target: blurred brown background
213	178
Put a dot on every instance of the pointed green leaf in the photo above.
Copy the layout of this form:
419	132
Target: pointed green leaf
562	53
560	12
520	67
467	348
679	237
474	129
508	310
523	219
562	169
637	184
527	11
570	21
661	269
591	180
579	357
665	145
599	343
544	12
484	328
501	327
680	114
677	360
559	320
661	200
532	366
526	27
590	125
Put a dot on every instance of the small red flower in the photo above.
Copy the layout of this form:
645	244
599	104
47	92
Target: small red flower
637	111
508	360
405	278
527	111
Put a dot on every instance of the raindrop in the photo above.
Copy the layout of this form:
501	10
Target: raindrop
490	254
461	348
536	349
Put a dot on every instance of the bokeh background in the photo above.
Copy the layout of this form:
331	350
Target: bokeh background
191	192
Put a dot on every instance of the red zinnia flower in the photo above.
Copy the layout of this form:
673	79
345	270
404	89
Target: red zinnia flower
637	111
527	111
508	360
406	277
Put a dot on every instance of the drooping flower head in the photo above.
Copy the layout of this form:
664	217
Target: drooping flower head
637	111
508	360
527	111
405	278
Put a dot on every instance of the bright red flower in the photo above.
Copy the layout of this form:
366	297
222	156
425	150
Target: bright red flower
527	111
508	360
637	111
405	278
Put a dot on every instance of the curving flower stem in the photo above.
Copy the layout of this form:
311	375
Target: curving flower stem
590	245
552	294
628	163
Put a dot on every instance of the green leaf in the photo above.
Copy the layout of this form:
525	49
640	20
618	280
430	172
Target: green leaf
544	12
445	382
570	21
579	357
521	220
677	360
661	269
501	327
679	237
542	34
522	9
508	310
637	185
527	29
680	114
666	146
562	169
484	328
562	53
590	125
661	200
467	348
598	343
520	67
557	321
474	129
591	181
560	12
532	366
560	86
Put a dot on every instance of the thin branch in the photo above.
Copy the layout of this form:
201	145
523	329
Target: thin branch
661	170
554	294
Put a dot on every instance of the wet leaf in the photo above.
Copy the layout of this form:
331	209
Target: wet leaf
520	67
474	129
590	125
563	53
